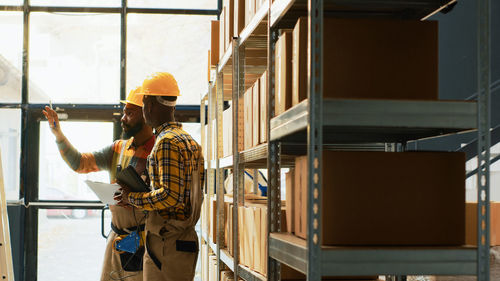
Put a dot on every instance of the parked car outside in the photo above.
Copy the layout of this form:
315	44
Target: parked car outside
49	193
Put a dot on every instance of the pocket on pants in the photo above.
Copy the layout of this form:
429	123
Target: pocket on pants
154	249
180	259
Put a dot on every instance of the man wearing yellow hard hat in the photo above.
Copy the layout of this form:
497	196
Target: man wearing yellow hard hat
176	176
133	150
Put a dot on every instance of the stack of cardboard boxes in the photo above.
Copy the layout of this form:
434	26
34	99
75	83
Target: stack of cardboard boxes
253	121
235	16
255	114
363	59
417	198
368	198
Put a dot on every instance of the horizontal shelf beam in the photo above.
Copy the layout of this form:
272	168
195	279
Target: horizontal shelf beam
355	261
379	120
290	10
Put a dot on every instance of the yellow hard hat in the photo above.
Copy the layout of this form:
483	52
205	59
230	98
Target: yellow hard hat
134	97
160	84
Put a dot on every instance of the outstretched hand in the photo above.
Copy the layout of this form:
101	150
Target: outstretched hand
51	116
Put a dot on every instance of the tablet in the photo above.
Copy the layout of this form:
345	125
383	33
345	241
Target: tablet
104	191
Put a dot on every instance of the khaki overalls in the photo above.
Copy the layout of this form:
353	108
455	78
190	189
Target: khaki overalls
172	245
123	266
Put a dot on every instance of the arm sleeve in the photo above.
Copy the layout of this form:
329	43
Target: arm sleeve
169	180
84	162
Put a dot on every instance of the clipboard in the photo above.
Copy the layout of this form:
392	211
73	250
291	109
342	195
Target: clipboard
104	191
131	178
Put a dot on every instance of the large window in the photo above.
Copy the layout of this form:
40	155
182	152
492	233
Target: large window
70	248
174	4
11	28
10	149
77	3
74	58
173	43
471	182
57	181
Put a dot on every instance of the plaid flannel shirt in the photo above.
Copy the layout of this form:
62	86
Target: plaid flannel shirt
170	167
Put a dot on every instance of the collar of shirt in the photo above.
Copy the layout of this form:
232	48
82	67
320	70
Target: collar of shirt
147	145
167	125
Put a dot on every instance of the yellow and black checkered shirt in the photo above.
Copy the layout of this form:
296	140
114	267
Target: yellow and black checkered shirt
170	167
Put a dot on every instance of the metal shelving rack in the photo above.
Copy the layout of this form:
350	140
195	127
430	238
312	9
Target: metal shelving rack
318	123
238	69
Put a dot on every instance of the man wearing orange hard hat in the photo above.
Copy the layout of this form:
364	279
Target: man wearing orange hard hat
176	176
132	150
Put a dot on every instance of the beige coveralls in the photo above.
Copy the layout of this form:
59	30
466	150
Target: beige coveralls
172	245
112	268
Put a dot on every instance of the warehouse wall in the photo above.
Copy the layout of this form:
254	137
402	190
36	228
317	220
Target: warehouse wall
457	52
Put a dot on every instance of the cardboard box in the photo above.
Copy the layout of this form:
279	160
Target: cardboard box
227	132
229	228
299	61
257	237
222	30
242	236
255	113
212	268
229	21
214	43
204	261
249	11
249	236
387	198
213	219
471	223
248	113
373	59
299	212
263	108
290	178
239	17
283	86
208	66
226	275
241	123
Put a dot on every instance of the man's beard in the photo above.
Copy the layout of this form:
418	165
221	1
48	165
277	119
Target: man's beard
132	131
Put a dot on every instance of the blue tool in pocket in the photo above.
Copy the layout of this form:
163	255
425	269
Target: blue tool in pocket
129	243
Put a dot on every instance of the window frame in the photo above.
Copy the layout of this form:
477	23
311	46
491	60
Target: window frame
31	116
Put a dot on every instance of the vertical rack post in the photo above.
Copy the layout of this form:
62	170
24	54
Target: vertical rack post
210	169
273	161
314	138
203	121
236	174
483	140
219	178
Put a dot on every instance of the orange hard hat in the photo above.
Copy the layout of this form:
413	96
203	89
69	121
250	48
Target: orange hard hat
160	84
134	97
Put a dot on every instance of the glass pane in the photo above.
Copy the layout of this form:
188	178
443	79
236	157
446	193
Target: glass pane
181	50
11	2
77	3
74	58
194	129
471	182
70	248
57	181
174	4
11	26
10	146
